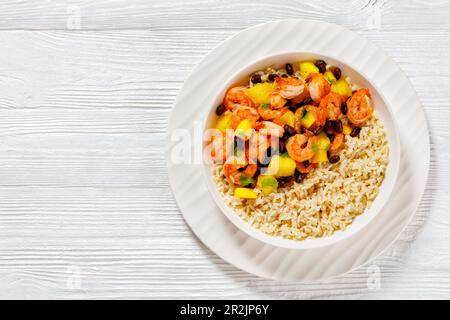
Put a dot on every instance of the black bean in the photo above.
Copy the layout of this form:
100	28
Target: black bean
331	137
264	162
299	176
258	171
289	131
321	65
220	110
285	181
293	107
267	156
288	103
355	132
337	126
282	146
256	78
344	108
317	131
289	69
334	158
337	72
329	129
272	77
284	75
306	163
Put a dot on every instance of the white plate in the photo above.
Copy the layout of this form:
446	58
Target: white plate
191	191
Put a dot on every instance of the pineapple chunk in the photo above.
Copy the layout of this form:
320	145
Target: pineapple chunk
224	122
307	120
330	77
243	129
287	118
281	166
321	142
346	129
245	193
306	68
260	92
342	87
267	184
320	156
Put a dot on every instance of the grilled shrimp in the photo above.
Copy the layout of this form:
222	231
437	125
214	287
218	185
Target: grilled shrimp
331	103
236	169
243	112
269	128
221	146
338	141
301	167
360	107
259	143
318	86
290	87
277	101
237	97
268	113
299	148
302	96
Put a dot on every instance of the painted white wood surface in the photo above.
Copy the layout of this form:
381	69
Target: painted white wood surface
85	206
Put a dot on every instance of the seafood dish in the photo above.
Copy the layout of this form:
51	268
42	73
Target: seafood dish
298	151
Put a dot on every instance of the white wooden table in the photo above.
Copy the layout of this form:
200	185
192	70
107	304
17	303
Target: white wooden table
86	88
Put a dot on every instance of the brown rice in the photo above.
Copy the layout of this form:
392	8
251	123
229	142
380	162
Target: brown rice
328	199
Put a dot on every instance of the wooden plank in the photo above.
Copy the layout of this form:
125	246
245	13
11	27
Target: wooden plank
176	15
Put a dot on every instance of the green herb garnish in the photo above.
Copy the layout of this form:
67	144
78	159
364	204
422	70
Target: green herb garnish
315	147
265	106
245	180
303	113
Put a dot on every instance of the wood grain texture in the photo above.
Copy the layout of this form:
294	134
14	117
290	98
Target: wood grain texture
85	206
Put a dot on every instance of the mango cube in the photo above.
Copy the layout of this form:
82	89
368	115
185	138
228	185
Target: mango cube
245	193
260	92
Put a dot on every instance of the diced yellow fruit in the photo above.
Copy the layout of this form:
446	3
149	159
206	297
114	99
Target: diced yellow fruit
267	190
224	122
330	77
307	120
342	87
346	129
287	118
306	68
243	129
320	156
322	142
245	193
267	184
260	92
281	166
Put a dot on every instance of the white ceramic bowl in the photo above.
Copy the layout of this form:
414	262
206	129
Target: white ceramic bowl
383	111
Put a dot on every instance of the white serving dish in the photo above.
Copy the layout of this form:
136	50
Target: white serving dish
382	109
